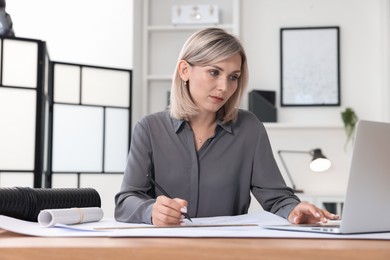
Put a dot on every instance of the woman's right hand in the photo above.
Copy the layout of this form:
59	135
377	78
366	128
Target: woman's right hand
168	212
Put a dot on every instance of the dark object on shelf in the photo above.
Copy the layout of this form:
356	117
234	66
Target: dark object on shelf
334	207
262	104
168	98
5	21
26	203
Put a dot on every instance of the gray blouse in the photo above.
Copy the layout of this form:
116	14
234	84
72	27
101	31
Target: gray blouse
216	180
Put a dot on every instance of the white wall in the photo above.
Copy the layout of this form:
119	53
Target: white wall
362	51
93	32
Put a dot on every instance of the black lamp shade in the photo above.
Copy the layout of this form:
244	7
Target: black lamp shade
319	163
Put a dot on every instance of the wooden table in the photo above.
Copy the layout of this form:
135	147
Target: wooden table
14	246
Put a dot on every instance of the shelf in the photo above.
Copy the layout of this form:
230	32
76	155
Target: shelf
187	27
302	126
159	77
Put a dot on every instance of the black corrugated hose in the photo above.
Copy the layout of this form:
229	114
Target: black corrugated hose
26	203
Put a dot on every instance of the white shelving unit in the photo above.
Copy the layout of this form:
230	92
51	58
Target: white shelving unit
162	42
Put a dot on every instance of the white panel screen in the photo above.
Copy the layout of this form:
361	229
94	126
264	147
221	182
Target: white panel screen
116	141
105	87
107	185
66	83
20	63
64	180
17	130
77	138
16	179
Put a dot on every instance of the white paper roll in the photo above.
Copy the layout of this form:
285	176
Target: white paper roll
50	217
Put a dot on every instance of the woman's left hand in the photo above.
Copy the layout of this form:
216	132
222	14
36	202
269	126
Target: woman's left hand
306	213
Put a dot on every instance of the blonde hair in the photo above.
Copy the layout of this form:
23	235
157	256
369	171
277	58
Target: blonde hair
204	47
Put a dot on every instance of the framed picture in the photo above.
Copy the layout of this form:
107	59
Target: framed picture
310	70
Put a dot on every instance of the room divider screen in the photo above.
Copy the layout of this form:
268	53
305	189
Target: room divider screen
62	124
23	90
89	121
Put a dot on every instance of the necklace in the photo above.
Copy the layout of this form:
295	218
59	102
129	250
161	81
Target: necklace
209	132
200	140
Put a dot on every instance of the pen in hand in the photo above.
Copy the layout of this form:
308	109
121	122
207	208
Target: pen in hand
165	193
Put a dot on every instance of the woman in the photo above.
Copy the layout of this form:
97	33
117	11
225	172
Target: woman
204	151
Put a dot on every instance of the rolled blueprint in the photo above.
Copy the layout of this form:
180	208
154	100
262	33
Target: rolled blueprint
51	217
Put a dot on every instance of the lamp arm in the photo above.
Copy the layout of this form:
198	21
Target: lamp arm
286	169
285	166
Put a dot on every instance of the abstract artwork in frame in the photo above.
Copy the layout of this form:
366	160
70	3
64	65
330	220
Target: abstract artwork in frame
310	66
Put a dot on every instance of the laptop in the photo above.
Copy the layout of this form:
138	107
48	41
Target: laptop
367	203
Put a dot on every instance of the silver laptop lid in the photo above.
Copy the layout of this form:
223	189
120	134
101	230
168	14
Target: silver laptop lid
367	202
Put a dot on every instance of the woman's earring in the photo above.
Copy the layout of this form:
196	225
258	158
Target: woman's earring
185	83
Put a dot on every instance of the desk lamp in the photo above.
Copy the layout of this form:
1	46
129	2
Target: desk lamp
319	163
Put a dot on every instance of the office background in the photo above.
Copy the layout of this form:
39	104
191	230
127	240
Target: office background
103	33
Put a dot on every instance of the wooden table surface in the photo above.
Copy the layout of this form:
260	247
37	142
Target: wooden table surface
14	246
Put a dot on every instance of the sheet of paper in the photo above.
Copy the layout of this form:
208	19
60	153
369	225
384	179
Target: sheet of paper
230	221
261	218
35	229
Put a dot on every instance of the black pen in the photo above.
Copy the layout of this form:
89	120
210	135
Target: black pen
165	194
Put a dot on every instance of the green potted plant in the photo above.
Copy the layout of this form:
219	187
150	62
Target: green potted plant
350	119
